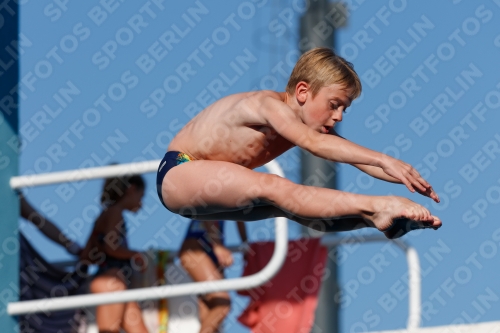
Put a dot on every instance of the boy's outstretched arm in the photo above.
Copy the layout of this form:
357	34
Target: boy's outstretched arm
331	147
381	174
371	170
376	172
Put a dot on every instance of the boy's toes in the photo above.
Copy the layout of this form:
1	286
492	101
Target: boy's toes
436	223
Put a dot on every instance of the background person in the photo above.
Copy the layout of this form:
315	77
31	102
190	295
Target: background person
204	257
107	247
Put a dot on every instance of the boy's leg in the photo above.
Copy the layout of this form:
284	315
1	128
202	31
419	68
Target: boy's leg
207	187
398	229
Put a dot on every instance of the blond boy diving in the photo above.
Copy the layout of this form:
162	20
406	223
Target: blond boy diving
207	173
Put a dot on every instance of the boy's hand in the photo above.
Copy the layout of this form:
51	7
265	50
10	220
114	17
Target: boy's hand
408	176
429	192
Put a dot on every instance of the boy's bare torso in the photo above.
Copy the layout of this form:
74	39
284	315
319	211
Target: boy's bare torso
233	129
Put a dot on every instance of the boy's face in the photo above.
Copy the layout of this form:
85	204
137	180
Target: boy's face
322	112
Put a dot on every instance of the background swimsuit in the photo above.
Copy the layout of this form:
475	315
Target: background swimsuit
111	262
198	230
170	160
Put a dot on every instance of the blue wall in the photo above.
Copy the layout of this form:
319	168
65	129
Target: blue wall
9	166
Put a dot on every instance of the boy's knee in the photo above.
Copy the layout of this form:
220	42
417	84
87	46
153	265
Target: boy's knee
276	187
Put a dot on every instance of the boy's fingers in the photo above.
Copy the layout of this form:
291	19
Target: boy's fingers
421	179
423	182
408	185
434	195
419	185
429	192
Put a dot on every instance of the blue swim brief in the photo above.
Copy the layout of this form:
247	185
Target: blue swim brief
170	160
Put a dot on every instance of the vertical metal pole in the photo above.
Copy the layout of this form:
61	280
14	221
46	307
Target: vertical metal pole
318	172
317	29
9	213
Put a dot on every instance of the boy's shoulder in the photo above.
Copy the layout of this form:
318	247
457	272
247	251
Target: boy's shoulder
262	99
270	95
252	107
258	95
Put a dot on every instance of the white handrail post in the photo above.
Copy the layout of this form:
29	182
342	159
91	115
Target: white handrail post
414	285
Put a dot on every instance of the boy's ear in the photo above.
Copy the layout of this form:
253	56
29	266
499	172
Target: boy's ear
301	90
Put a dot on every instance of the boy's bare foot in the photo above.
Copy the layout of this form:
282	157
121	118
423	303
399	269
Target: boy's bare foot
401	226
395	216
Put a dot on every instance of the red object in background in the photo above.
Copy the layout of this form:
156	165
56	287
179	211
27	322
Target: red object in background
288	301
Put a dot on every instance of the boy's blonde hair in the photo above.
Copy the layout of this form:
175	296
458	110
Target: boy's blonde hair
320	67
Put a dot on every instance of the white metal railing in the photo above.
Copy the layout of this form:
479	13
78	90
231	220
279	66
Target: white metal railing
16	308
91	173
142	294
414	281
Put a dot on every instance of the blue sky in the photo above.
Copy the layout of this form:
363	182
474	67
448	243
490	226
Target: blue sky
104	84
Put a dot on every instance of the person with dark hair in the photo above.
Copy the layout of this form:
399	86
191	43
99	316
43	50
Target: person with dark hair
107	247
